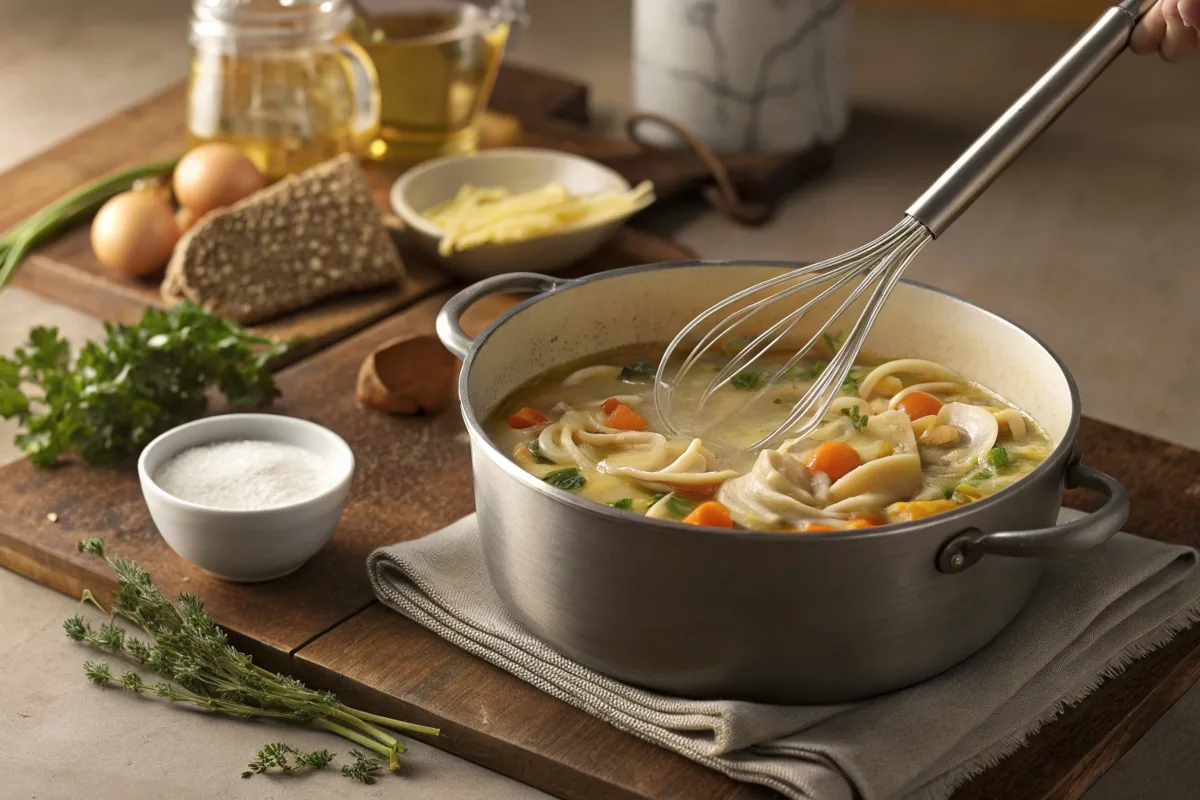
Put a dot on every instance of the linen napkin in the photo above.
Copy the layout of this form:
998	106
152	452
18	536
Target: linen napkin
1094	614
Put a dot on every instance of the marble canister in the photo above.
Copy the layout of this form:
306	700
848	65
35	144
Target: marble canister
744	76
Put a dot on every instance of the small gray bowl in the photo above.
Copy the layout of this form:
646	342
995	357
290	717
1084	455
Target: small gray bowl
518	169
238	545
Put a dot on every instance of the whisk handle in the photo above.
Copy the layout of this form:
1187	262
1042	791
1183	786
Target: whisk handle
959	186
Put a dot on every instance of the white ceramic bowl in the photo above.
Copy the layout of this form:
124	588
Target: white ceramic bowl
518	169
246	546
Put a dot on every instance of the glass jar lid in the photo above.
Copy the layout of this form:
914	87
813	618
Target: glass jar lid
269	22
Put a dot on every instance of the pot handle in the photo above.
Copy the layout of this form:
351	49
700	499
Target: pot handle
448	328
1080	534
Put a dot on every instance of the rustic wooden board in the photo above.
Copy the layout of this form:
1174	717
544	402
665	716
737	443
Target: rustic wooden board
528	108
381	660
65	270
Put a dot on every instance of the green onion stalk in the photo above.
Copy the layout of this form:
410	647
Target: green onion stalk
71	209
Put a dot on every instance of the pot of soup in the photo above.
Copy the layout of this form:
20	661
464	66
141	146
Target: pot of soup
888	545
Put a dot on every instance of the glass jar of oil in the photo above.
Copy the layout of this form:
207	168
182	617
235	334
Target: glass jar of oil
281	79
437	62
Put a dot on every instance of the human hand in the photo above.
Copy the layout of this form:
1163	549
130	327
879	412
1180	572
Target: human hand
1171	28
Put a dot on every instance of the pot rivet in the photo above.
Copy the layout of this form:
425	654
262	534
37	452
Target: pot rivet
957	560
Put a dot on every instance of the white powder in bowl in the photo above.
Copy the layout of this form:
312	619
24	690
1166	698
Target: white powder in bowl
245	475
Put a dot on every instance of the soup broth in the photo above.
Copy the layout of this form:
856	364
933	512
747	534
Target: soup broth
906	438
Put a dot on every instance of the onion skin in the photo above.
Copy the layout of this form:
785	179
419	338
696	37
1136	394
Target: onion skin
134	233
185	218
213	176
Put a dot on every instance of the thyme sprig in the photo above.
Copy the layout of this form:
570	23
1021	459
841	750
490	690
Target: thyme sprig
198	666
275	756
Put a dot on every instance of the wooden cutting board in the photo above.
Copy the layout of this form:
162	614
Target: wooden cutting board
414	477
66	270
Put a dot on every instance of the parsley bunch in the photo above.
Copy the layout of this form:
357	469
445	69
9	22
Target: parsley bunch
140	381
197	665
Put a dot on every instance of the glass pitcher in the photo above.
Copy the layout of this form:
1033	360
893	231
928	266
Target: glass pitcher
437	62
282	79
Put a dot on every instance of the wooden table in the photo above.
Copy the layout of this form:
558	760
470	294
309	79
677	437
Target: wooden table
323	624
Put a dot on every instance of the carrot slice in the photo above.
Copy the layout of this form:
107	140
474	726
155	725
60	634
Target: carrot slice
527	418
624	418
861	520
610	405
813	527
919	404
835	459
711	514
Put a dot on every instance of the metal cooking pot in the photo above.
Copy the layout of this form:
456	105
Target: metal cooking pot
771	617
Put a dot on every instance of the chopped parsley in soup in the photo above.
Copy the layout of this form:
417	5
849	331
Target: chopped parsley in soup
905	439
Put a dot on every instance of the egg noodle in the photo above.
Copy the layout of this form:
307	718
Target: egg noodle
481	215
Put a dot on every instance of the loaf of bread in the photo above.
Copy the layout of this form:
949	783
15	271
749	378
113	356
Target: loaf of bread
306	238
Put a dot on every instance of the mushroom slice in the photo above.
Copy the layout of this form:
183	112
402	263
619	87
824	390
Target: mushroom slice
591	373
1013	419
778	491
895	428
979	431
892	478
904	366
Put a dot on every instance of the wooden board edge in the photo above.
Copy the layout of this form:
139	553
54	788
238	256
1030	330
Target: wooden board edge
498	756
1049	773
71	579
69	286
1118	741
573	105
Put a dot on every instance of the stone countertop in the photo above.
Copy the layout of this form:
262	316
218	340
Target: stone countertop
1087	240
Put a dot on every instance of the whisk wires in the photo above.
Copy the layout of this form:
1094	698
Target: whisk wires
877	264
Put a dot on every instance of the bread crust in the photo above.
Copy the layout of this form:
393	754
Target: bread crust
311	236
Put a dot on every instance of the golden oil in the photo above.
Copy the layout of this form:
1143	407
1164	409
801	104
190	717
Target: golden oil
288	109
436	69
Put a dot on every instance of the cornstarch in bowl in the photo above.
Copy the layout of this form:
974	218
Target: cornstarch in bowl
245	475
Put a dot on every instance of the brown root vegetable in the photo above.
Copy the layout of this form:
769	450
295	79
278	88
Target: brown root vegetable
408	375
213	176
184	219
134	233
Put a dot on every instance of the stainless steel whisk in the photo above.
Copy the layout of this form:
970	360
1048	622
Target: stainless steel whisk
880	263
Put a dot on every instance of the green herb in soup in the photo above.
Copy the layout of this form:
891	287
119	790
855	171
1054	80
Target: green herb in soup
906	438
